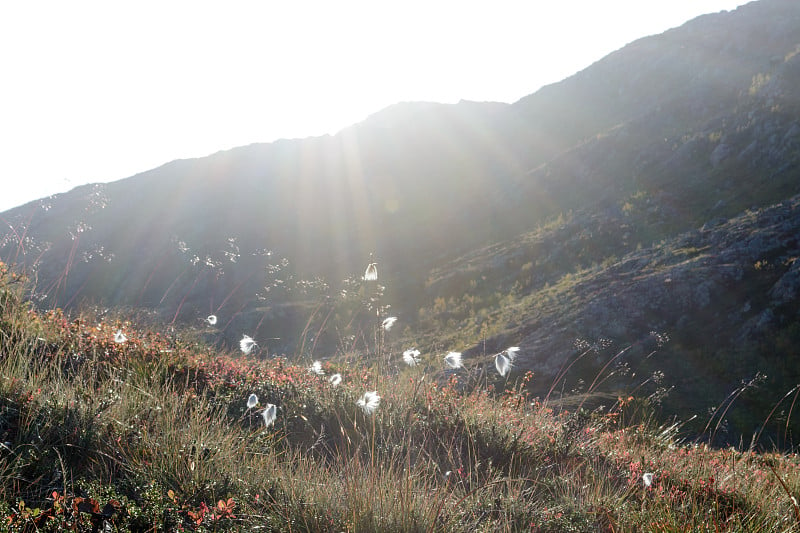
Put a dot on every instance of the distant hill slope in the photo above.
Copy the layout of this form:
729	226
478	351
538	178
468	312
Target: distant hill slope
572	207
696	314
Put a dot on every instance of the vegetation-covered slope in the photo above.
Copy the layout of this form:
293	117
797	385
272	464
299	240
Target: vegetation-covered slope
550	223
108	427
720	303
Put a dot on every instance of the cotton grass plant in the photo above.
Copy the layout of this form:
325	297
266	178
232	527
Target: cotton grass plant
316	368
252	401
369	402
453	360
411	357
246	344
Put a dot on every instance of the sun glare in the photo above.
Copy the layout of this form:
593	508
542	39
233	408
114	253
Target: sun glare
272	70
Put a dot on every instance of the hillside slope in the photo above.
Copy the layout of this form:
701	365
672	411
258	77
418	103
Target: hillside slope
696	315
574	205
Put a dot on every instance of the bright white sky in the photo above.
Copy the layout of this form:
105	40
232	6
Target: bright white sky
95	91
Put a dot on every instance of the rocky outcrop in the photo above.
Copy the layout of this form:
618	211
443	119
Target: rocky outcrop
722	269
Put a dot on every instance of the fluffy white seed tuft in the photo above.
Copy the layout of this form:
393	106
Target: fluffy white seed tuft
246	344
270	413
502	363
411	357
369	402
316	368
371	274
453	360
252	401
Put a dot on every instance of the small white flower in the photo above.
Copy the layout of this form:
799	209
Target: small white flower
120	337
246	344
388	323
252	401
270	413
316	368
335	379
512	353
371	273
211	319
369	402
647	479
503	364
411	357
453	359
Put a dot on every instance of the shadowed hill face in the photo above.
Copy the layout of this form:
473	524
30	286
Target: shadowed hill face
502	205
325	204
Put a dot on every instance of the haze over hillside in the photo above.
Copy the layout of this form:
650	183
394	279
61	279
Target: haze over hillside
651	196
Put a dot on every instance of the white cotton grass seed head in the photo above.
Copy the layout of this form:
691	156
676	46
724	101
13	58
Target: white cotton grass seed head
252	401
211	319
647	479
502	363
512	352
270	413
335	379
453	360
388	323
369	402
371	274
411	357
247	344
316	368
120	337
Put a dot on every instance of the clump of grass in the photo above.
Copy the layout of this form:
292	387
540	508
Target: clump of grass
163	433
